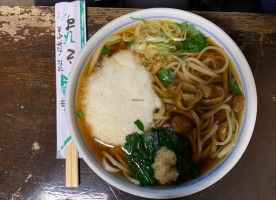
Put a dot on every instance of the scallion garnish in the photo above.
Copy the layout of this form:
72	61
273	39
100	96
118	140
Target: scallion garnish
132	41
79	114
183	62
105	50
233	86
141	19
139	125
113	42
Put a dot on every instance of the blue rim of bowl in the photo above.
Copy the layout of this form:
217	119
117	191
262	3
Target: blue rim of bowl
216	168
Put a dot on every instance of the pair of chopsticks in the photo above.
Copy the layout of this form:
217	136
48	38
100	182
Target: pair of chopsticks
70	20
71	166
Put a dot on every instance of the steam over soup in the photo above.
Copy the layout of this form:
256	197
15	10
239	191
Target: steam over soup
159	103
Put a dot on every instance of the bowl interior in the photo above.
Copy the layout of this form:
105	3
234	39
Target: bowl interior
223	40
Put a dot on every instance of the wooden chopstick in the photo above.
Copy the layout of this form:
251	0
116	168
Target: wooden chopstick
72	166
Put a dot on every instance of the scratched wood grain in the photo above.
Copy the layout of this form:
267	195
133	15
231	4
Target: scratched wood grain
28	165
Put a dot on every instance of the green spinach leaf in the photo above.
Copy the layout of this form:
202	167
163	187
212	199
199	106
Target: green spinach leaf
166	76
138	161
195	41
141	151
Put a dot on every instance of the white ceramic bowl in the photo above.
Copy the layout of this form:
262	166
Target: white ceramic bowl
209	29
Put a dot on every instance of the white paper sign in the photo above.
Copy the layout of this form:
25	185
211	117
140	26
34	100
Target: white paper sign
70	37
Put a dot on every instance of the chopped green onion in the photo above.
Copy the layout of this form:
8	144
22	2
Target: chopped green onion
114	42
233	120
79	114
132	41
139	125
165	47
160	47
105	50
166	76
183	62
141	19
233	86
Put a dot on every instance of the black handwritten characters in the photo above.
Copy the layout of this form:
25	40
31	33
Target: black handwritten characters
59	41
65	51
62	103
70	25
59	65
71	55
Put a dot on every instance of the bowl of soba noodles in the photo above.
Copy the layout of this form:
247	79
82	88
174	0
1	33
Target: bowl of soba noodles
161	103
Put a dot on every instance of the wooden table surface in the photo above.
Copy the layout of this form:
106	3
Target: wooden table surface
28	165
